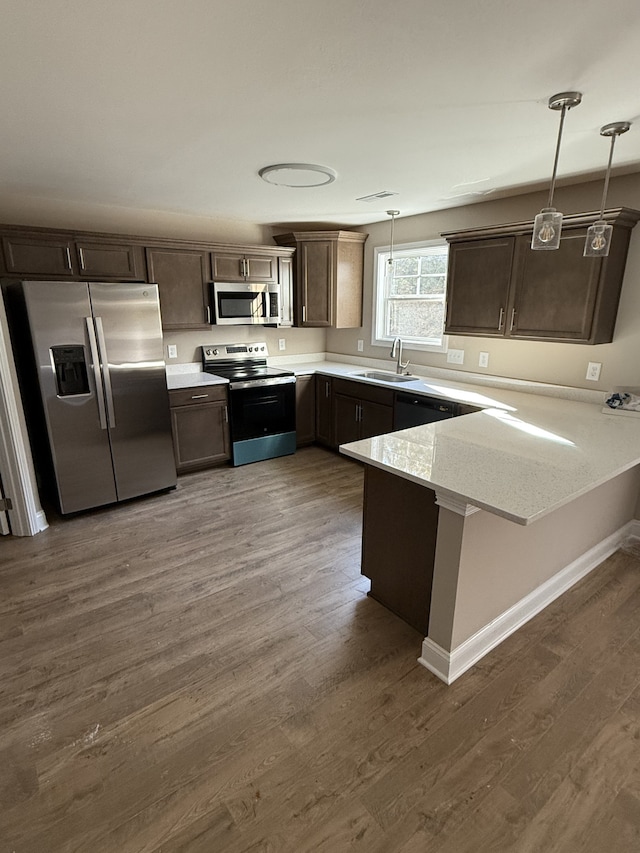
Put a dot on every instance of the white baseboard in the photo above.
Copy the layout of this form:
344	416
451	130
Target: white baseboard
449	666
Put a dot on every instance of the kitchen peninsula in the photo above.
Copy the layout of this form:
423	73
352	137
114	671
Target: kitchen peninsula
527	496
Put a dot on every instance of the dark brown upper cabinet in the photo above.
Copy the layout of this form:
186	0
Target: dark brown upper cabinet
38	255
328	268
182	276
117	261
499	287
50	255
242	266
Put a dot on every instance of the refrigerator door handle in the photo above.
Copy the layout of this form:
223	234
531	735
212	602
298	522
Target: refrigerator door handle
104	364
95	359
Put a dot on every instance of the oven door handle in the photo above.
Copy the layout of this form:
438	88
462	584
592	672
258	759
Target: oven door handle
261	383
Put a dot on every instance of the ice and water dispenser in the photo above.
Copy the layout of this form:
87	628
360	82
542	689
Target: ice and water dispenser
71	370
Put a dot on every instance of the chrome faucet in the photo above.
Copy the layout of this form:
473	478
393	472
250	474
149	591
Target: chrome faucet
396	352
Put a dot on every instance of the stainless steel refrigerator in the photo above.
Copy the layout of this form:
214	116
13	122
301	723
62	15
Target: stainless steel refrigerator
101	376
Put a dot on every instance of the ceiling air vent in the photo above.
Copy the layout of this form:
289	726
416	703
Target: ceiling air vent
376	196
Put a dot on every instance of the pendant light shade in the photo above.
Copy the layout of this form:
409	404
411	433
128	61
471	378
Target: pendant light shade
390	262
599	234
548	223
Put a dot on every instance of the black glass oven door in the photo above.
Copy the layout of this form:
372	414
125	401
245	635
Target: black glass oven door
262	410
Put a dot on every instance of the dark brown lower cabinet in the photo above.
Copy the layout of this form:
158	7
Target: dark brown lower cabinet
305	410
324	410
360	411
400	524
200	426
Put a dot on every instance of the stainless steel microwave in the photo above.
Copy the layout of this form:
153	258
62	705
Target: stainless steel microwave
245	304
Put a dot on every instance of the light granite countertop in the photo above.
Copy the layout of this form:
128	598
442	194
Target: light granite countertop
523	456
190	376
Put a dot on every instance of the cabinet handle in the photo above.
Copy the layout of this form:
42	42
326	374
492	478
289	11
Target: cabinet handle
226	414
199	396
81	253
245	267
513	319
69	264
304	313
208	315
501	319
326	388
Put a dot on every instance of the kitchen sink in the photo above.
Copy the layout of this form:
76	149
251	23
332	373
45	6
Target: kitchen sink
386	377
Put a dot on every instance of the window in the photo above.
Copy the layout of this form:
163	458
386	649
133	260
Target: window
409	303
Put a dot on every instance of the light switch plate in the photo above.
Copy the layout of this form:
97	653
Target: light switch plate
172	351
455	356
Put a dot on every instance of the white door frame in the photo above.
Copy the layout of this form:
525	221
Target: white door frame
16	464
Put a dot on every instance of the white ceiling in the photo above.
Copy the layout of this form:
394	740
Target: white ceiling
175	105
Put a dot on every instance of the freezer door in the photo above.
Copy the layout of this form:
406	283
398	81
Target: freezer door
58	313
129	334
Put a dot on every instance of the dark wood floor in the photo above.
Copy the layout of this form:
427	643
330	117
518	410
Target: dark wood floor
202	671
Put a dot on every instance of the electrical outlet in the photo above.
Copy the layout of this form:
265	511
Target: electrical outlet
455	356
360	345
282	344
593	370
483	359
172	351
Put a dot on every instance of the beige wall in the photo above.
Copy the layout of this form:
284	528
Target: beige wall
53	213
297	341
564	364
486	564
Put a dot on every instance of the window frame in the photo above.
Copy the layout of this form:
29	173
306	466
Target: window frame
379	297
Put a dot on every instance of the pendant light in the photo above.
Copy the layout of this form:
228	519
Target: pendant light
599	234
548	223
389	272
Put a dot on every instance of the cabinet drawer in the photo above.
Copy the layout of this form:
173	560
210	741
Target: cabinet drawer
371	393
197	395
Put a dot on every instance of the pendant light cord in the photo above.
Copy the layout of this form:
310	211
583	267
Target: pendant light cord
555	162
607	176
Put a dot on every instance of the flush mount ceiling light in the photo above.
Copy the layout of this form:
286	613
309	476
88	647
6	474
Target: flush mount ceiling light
599	234
298	175
548	223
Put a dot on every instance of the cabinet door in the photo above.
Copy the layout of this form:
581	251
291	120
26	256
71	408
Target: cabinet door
285	278
227	266
555	292
346	419
34	255
376	419
262	268
315	283
305	410
324	413
109	260
399	528
181	276
478	286
200	435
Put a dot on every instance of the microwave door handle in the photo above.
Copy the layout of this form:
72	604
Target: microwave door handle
265	311
95	360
